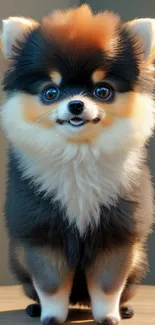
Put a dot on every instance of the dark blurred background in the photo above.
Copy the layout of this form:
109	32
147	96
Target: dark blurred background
36	9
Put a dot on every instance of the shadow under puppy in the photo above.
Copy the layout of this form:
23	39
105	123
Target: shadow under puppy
78	113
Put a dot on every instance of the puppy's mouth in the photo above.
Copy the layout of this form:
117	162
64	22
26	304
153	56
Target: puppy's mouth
77	121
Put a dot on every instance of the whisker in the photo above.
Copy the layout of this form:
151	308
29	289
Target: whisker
37	122
70	94
84	94
110	113
42	115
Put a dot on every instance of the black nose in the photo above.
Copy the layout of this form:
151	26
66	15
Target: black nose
76	107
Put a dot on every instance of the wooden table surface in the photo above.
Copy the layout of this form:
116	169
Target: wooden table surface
13	304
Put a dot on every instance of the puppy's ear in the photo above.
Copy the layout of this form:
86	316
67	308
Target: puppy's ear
13	29
144	28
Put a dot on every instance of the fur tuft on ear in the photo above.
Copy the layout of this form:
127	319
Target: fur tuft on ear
13	29
144	29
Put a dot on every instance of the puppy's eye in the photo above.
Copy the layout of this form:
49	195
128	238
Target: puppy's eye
104	92
49	94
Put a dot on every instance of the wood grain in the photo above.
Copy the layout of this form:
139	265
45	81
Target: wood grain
13	304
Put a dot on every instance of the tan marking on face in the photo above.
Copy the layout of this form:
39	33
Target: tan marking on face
127	105
35	112
56	77
108	120
98	76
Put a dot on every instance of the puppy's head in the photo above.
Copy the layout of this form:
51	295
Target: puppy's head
78	78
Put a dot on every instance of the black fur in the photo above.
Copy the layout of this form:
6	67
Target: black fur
35	219
35	57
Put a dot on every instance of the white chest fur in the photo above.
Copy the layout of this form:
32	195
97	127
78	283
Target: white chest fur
82	180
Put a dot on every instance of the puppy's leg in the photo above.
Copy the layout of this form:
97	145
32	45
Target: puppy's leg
19	269
139	269
126	311
52	280
106	279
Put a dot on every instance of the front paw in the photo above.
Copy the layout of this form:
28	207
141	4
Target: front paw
50	321
34	310
126	312
110	320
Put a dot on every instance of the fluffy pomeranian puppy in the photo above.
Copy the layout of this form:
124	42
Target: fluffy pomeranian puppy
78	114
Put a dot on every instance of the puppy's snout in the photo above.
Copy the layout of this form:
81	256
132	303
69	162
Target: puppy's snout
76	107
